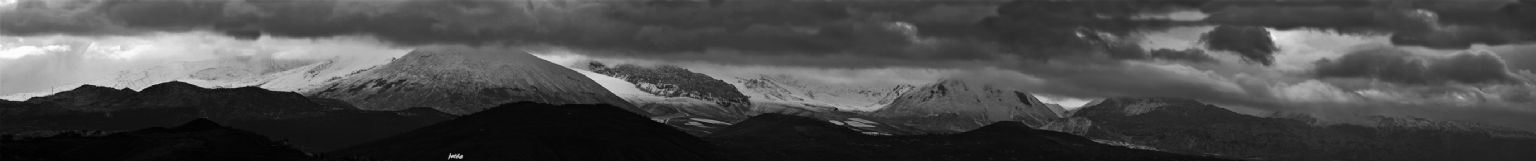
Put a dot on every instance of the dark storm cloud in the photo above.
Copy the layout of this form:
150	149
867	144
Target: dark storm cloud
1445	24
1049	29
1252	43
1518	57
1123	51
915	30
1397	65
1191	55
1344	17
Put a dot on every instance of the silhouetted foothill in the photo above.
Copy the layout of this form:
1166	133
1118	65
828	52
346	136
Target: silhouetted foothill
533	131
200	139
199	124
312	124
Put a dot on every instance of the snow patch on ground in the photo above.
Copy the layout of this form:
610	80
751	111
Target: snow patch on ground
858	124
618	86
709	121
632	93
1126	144
862	121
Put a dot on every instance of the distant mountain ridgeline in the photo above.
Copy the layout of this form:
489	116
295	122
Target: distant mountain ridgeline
312	124
1191	127
543	131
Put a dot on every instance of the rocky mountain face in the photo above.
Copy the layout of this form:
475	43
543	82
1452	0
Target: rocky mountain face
784	137
311	124
843	97
199	139
954	106
1190	127
464	80
669	92
533	131
673	81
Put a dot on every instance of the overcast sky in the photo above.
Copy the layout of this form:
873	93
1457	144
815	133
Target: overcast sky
1452	60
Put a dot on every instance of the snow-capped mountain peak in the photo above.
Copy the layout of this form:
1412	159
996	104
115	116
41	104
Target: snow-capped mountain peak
955	105
463	80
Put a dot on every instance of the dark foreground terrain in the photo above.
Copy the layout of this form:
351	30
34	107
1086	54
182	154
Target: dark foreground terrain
783	137
531	131
199	139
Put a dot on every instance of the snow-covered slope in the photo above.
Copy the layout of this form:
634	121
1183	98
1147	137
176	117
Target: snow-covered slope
676	82
464	80
953	105
693	114
660	108
791	90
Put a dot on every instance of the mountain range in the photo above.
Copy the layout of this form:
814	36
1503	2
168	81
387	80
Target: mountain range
616	111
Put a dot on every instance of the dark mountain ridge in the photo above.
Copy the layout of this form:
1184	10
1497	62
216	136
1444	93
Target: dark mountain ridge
534	131
234	103
312	124
200	139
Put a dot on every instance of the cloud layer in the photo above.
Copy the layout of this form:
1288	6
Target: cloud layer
1401	66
